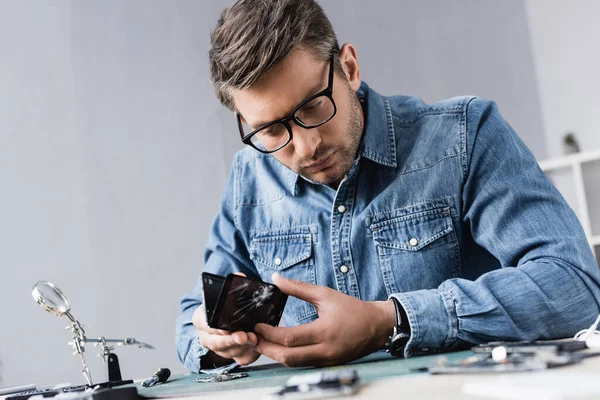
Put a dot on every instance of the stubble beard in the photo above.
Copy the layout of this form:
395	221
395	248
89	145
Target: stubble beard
354	132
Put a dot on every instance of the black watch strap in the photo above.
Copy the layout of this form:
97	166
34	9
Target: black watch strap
401	334
403	325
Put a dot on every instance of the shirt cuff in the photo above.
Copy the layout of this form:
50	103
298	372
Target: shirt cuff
432	318
192	360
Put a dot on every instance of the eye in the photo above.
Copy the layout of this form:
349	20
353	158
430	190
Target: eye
268	132
274	130
312	105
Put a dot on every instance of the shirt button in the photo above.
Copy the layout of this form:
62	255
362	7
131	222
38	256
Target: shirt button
278	261
413	242
342	209
344	269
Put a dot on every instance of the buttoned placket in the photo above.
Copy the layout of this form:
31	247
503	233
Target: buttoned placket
341	223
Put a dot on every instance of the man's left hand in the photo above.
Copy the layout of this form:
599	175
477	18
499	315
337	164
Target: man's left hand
347	328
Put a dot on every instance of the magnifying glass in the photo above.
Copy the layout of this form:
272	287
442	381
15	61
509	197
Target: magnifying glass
51	298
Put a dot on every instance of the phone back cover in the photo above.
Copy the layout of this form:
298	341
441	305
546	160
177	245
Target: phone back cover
245	302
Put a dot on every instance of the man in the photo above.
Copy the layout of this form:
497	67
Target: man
392	224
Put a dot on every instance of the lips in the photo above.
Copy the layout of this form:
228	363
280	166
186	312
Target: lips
320	164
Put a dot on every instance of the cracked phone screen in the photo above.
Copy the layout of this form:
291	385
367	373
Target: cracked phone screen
245	302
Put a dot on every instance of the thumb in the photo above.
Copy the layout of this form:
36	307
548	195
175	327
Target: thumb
302	290
240	274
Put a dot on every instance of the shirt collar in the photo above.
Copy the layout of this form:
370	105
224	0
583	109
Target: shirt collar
379	140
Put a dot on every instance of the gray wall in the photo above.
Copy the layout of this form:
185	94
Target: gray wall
113	157
436	49
114	151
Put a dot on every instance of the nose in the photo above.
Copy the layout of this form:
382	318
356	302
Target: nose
305	141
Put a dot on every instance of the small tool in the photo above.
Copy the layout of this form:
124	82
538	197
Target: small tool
160	376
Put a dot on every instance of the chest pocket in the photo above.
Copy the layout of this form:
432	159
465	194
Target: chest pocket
416	251
290	253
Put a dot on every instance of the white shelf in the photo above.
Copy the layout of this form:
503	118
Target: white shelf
567	161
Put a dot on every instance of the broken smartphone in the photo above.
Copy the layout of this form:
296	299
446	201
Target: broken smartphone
242	303
211	286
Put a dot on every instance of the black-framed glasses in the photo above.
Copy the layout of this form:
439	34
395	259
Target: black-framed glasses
311	113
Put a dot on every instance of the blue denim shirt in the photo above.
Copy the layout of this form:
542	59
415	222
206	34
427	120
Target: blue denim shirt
444	209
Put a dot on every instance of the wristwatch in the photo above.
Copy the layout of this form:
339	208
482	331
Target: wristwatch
401	334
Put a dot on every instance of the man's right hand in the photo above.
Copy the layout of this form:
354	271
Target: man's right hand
238	346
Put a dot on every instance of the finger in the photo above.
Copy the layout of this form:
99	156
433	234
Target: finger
301	335
208	330
302	290
199	321
199	316
215	342
240	274
252	338
224	346
240	337
294	356
245	338
248	357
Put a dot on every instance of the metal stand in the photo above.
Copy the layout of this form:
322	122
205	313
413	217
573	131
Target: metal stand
53	300
113	369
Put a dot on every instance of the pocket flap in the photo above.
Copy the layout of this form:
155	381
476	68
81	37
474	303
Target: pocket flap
279	251
412	232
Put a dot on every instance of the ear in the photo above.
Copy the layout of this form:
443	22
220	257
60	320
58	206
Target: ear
350	65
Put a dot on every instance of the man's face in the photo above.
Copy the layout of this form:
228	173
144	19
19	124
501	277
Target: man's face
323	154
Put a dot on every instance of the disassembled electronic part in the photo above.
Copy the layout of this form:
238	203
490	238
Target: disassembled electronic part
515	357
222	377
318	385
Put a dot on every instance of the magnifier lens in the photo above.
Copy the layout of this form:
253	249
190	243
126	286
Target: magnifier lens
51	298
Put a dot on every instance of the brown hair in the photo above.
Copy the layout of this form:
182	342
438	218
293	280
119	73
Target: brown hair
253	36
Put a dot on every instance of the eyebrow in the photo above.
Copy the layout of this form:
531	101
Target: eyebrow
313	91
